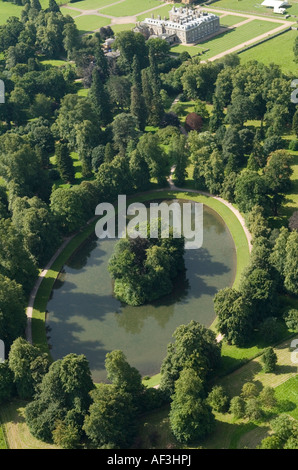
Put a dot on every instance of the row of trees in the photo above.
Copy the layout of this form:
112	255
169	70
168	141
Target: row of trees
272	271
65	406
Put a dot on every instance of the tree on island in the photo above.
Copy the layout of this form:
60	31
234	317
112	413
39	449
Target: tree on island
144	268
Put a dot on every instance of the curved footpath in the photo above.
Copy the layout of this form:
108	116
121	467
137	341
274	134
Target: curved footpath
43	273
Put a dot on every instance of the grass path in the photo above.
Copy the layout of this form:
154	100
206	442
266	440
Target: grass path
16	430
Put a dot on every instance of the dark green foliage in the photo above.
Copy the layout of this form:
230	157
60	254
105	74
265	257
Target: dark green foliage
21	168
194	347
124	129
270	329
271	144
284	258
139	171
28	366
284	428
267	397
64	395
6	382
258	287
190	416
253	410
138	107
98	157
64	163
66	206
291	319
235	316
152	153
100	98
269	360
33	219
125	377
131	44
12	310
295	123
218	399
250	190
178	155
15	261
111	418
144	268
237	407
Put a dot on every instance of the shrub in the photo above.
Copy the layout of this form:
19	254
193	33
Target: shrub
269	360
291	319
237	407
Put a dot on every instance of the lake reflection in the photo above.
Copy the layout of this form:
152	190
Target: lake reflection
84	317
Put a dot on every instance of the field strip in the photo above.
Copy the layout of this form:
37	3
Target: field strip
248	20
40	278
250	41
246	15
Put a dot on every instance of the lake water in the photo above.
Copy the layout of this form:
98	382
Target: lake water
84	317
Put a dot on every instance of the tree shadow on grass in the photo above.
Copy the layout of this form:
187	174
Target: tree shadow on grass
285	406
284	369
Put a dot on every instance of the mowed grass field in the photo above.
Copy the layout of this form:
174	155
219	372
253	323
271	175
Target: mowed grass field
253	7
88	23
131	7
162	11
7	10
230	20
229	39
90	4
17	433
278	50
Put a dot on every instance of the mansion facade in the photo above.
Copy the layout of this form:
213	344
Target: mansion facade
185	25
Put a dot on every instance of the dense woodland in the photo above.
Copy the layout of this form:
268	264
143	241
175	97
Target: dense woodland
127	136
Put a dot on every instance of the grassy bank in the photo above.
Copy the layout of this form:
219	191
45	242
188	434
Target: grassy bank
44	292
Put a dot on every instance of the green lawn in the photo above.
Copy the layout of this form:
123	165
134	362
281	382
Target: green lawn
230	20
228	39
55	62
88	23
7	10
266	52
90	4
287	395
163	11
67	11
117	28
17	432
131	7
252	6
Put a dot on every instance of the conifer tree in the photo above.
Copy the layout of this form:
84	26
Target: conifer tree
101	61
53	6
100	98
64	162
138	107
